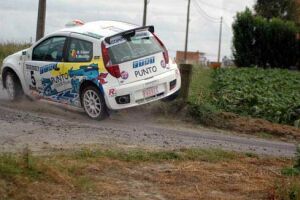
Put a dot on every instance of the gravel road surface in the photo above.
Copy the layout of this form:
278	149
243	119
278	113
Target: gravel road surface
45	127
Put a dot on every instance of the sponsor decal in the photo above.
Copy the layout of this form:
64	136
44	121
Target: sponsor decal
124	75
60	80
102	77
32	68
139	35
48	68
143	62
90	71
75	85
64	88
33	81
73	53
117	40
112	92
145	71
163	64
80	54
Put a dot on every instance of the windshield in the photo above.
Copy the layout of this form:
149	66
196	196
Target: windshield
134	48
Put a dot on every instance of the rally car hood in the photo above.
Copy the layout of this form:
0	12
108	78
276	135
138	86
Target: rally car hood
14	57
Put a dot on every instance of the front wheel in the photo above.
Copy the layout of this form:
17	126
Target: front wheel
94	103
13	86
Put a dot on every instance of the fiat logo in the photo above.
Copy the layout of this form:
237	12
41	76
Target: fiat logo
124	75
163	64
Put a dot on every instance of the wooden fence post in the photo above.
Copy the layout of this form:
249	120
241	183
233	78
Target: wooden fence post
186	75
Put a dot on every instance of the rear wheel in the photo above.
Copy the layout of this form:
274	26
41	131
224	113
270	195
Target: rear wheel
94	103
13	86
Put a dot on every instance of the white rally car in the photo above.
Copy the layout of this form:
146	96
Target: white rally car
98	66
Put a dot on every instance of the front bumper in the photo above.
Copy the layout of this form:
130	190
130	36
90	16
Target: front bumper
136	90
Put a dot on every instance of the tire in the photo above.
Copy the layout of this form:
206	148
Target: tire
13	86
93	103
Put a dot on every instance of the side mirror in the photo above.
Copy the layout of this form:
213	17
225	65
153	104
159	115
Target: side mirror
24	53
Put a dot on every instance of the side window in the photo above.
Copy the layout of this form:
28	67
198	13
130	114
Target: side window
40	51
80	51
50	50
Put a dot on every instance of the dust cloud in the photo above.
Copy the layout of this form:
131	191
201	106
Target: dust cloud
3	93
144	114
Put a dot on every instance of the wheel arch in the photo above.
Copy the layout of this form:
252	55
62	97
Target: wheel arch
4	73
85	84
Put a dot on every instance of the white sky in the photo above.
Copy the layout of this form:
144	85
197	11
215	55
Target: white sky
18	19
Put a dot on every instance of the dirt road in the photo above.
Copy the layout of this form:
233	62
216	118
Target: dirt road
45	127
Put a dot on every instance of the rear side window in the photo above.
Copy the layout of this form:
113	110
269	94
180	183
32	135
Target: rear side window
50	50
80	50
134	48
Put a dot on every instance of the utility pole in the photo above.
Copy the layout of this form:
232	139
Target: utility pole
187	31
220	40
145	12
40	28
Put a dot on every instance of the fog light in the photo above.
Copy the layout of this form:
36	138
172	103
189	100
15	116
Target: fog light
173	84
123	99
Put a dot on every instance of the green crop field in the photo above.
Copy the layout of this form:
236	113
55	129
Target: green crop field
271	94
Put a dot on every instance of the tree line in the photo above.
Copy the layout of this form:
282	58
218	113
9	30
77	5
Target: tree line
268	37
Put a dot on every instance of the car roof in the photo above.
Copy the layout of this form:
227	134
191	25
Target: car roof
100	29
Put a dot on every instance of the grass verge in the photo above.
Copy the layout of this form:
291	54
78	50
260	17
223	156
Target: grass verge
214	155
140	174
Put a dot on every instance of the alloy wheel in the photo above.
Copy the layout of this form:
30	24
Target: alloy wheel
92	103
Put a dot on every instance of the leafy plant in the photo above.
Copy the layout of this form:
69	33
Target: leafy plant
269	94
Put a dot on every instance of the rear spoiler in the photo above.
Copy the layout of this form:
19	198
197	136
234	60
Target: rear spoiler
129	33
